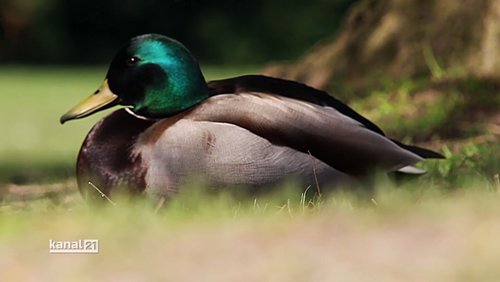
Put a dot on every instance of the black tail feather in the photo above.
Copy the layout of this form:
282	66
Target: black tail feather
424	153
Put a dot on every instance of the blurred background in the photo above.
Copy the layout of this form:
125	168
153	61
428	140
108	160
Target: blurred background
217	32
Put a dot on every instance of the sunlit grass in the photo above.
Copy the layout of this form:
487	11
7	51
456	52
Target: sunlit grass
33	100
425	108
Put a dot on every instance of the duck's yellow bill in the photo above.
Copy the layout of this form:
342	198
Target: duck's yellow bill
103	98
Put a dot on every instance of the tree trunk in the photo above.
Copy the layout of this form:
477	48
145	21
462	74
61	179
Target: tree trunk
403	38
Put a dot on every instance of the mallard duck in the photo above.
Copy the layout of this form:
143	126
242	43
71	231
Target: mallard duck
252	130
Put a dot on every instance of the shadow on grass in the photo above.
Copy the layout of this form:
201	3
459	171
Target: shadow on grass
23	173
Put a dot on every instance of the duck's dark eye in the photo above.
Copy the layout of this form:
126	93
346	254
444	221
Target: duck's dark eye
132	61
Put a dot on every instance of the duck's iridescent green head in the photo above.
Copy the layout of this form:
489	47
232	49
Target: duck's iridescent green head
153	74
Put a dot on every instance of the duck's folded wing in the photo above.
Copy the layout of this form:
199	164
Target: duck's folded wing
338	140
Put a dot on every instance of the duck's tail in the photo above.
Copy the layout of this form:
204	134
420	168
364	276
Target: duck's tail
403	172
424	153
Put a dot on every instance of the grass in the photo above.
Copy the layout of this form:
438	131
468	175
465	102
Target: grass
442	226
425	108
33	99
408	233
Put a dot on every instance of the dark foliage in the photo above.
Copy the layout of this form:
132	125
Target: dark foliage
227	31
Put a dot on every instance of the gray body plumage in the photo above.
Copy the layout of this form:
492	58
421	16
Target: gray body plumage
225	154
